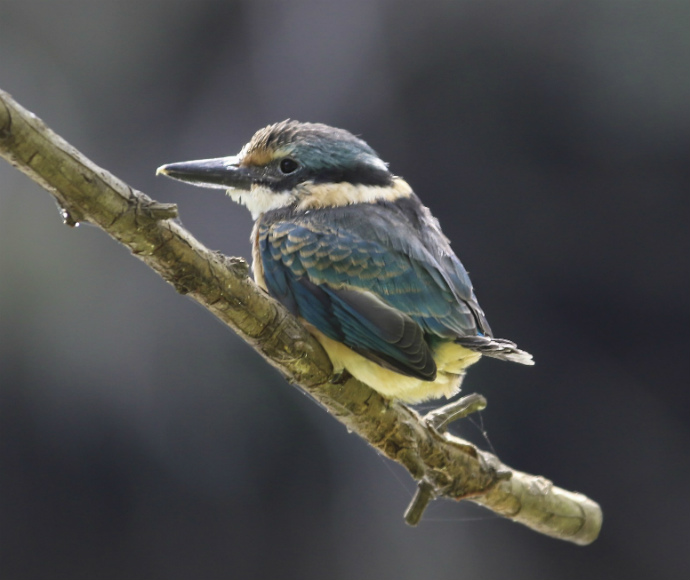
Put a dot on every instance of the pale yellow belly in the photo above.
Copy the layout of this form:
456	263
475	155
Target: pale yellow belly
451	361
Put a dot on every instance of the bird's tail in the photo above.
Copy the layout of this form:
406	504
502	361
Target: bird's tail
497	348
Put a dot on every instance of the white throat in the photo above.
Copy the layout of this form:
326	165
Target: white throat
261	199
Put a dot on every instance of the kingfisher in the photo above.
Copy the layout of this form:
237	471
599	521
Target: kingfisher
349	249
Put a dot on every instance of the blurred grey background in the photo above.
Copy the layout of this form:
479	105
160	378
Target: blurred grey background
141	439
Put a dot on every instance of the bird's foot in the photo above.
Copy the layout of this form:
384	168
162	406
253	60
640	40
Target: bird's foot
340	377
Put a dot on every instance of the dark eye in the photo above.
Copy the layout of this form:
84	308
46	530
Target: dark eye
288	165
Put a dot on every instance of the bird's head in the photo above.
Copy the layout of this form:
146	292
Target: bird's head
308	165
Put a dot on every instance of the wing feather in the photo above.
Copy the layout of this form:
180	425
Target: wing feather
367	280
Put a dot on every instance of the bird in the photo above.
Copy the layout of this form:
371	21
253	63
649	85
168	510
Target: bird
348	248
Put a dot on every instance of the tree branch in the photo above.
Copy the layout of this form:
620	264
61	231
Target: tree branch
444	465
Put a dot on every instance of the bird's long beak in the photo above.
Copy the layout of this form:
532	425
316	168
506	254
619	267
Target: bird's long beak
219	173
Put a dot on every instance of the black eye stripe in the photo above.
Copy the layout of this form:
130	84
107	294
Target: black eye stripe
286	173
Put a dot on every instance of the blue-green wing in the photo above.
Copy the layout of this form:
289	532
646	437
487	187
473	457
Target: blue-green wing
368	281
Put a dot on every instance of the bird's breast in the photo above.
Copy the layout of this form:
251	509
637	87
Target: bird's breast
257	265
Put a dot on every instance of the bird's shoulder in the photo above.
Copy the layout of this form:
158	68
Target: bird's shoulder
397	226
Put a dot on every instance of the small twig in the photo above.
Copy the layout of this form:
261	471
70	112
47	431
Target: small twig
440	418
424	494
161	211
